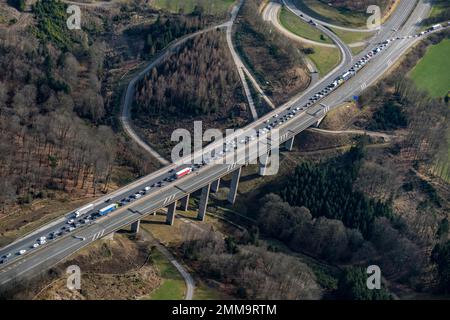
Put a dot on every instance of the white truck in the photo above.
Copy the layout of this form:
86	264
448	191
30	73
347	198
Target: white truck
83	210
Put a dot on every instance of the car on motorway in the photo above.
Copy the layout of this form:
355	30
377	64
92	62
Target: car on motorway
70	221
71	229
21	252
53	235
35	245
6	256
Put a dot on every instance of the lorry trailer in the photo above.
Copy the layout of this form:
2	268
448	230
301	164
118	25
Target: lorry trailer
83	210
104	211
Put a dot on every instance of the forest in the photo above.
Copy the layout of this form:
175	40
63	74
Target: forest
329	240
52	112
326	189
253	271
195	81
166	29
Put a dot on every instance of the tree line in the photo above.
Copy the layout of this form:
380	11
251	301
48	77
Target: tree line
52	115
329	240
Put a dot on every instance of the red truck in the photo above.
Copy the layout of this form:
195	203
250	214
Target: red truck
183	172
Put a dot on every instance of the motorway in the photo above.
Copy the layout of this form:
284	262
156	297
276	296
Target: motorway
43	257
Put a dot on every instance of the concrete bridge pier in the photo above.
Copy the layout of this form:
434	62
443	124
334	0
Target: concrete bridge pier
263	162
319	122
289	144
204	197
171	211
184	205
215	186
234	185
135	227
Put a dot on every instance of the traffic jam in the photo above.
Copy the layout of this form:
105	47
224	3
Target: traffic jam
86	215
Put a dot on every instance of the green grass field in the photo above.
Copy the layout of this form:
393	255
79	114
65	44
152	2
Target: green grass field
352	37
297	26
319	10
325	58
203	292
214	7
432	73
357	50
172	286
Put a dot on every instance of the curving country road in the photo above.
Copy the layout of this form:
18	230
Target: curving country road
385	136
331	25
272	13
125	117
190	284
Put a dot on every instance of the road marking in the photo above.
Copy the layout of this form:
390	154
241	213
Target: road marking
231	167
363	86
169	199
98	235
